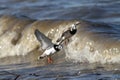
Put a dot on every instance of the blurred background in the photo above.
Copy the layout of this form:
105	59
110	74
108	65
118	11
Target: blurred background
107	11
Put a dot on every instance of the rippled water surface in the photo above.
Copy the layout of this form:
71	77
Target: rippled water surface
93	10
92	54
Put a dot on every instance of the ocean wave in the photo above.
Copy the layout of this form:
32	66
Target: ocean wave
93	42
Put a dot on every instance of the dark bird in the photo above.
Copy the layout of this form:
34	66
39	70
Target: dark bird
67	34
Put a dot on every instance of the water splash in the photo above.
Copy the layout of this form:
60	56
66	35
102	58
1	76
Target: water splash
91	43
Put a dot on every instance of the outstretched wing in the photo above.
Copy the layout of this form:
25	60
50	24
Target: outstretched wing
65	35
44	40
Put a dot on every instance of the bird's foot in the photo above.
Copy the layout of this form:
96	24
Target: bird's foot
49	59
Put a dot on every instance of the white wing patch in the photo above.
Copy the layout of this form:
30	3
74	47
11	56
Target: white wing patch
49	51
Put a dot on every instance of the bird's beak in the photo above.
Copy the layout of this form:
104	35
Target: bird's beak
77	23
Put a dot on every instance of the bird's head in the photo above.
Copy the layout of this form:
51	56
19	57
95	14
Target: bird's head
73	26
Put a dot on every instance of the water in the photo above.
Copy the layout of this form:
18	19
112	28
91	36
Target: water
98	11
93	53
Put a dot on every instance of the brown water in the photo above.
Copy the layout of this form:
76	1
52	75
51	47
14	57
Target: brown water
92	53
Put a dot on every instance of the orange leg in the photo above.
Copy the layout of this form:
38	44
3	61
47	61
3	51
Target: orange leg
66	41
49	60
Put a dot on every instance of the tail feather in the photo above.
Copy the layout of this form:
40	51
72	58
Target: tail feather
40	57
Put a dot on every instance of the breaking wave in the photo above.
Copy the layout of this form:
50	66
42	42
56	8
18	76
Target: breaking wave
93	42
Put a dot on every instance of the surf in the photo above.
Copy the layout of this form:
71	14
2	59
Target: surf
93	42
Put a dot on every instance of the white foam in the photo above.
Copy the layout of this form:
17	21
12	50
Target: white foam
80	48
26	44
80	51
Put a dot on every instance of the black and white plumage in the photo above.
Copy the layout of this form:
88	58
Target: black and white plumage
69	33
46	44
